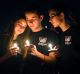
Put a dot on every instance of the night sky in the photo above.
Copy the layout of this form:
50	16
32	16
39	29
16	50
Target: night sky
13	8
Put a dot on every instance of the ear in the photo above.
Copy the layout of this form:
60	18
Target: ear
62	15
41	17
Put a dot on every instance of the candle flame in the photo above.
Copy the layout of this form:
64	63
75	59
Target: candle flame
27	43
15	45
50	46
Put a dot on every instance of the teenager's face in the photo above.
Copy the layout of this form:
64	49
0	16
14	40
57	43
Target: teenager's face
33	20
20	26
54	19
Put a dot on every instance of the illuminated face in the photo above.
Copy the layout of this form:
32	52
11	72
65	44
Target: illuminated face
20	26
54	19
33	20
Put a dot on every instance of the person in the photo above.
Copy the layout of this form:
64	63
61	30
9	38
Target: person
69	51
11	60
40	58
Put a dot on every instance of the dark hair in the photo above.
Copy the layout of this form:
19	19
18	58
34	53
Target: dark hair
67	14
36	11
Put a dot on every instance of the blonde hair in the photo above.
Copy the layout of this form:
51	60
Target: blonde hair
11	41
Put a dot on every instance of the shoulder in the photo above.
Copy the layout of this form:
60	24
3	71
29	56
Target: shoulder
52	32
52	35
75	30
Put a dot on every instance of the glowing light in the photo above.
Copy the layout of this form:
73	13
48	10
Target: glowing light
27	43
50	46
15	45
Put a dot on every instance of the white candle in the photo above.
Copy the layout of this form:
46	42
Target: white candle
27	43
50	46
15	45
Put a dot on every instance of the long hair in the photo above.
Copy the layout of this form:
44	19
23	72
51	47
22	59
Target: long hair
13	24
67	14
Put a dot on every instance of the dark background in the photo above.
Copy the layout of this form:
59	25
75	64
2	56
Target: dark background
10	9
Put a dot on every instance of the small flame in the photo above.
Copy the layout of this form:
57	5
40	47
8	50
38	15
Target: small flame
50	46
27	43
15	45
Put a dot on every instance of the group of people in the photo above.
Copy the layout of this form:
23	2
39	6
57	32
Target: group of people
42	50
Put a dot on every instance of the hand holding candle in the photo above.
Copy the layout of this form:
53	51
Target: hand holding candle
27	43
51	47
14	49
34	50
27	49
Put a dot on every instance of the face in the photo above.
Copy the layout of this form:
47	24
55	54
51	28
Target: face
20	26
33	20
54	19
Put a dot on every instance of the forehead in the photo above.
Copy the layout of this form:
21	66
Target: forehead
52	12
31	15
21	21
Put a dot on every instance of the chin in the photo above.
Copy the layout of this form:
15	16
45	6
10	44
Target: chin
55	26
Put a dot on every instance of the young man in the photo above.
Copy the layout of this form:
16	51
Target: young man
41	58
69	40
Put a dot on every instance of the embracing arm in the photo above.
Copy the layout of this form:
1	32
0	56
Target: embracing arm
47	58
51	57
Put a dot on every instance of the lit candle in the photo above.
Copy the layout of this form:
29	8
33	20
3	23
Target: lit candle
15	45
27	43
50	46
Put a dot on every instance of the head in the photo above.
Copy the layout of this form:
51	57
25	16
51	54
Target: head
56	17
34	19
19	26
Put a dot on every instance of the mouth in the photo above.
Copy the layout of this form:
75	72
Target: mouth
19	31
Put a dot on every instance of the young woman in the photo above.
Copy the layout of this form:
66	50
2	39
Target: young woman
10	61
69	41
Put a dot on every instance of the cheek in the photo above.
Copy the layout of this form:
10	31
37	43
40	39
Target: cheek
36	22
16	29
22	30
56	21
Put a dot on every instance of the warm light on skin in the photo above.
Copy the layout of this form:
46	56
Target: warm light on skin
27	43
15	46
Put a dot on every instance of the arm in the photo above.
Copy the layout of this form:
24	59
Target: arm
47	58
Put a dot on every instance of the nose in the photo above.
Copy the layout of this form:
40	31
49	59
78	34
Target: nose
50	20
30	21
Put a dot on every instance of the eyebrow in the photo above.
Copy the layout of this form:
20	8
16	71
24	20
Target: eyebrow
53	13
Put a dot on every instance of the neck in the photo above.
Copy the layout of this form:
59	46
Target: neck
64	26
15	36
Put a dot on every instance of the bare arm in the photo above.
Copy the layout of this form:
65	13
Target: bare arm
51	57
47	58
